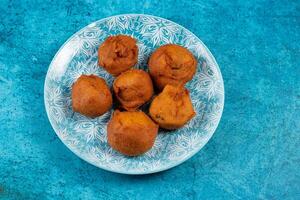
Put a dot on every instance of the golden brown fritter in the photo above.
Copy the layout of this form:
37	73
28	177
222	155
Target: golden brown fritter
172	108
118	54
131	133
133	88
91	96
172	64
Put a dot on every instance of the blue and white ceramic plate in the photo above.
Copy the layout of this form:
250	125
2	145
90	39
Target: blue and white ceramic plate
87	137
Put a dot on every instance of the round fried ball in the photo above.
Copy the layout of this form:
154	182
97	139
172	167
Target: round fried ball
131	133
133	88
172	64
172	108
118	54
91	96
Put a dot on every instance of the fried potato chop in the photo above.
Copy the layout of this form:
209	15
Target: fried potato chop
118	54
133	88
131	133
172	64
172	108
91	96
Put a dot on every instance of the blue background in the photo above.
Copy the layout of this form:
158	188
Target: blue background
255	152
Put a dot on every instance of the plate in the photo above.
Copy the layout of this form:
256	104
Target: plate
87	137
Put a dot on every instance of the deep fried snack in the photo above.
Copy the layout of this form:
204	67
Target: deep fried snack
91	96
172	64
118	54
131	133
133	88
172	108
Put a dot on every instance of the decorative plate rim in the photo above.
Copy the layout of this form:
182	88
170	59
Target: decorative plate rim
165	167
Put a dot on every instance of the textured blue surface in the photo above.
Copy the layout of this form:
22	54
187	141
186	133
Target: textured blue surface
255	150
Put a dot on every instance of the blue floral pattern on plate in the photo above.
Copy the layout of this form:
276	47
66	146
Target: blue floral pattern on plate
87	137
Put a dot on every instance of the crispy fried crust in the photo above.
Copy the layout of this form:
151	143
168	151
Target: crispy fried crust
131	133
91	96
133	88
172	108
172	64
118	54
